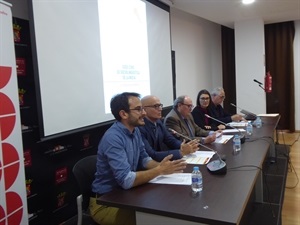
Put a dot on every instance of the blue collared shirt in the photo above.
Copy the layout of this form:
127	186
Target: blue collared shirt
120	154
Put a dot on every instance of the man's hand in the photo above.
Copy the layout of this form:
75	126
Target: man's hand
207	127
168	167
221	127
218	133
190	147
210	138
237	117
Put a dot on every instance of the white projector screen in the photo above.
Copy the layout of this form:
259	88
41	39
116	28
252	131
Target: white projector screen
86	51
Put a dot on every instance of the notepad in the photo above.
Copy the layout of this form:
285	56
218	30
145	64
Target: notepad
269	115
227	131
223	139
175	178
238	124
199	157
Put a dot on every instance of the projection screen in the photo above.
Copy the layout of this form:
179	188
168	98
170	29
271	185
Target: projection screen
86	51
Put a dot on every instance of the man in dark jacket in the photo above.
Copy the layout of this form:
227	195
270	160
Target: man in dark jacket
157	139
218	112
181	120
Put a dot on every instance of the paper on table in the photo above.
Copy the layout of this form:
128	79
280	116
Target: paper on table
199	157
269	114
175	178
223	139
226	131
238	124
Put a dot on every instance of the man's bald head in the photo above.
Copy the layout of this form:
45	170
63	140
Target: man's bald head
153	107
149	100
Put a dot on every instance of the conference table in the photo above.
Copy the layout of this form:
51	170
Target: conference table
225	199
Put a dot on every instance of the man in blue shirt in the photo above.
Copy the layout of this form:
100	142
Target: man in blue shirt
157	139
122	160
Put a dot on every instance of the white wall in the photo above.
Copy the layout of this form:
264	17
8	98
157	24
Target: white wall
197	46
250	64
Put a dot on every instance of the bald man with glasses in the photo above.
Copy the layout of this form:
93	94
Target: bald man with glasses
157	139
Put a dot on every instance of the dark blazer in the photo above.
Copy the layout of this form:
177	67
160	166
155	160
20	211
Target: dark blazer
175	121
158	141
200	118
219	113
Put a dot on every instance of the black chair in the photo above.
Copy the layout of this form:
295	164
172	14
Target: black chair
84	171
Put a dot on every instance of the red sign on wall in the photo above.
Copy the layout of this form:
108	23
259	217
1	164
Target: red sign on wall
61	175
21	66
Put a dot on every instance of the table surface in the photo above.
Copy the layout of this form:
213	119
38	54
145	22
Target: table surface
224	197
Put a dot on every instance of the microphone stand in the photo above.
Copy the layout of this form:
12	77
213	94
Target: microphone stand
262	87
217	166
249	115
242	136
259	84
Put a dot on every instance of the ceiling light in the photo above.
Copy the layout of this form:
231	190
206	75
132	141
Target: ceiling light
248	1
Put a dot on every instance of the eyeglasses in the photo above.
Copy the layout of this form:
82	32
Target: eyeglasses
222	96
156	106
188	105
139	109
204	99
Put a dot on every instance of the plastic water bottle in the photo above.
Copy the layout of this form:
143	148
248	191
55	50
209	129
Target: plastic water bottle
196	180
249	128
236	143
258	122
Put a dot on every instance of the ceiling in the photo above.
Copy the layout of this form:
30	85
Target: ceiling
226	12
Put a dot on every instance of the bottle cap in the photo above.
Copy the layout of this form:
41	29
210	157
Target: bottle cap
196	168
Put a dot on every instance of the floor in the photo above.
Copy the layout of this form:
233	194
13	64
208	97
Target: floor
291	205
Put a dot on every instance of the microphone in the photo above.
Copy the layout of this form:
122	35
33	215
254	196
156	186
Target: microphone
258	82
216	166
242	136
249	115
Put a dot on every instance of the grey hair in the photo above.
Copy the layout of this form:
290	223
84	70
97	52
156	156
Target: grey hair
178	100
216	91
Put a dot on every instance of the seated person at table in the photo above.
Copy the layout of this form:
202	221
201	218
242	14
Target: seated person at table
122	161
181	120
204	107
157	139
218	112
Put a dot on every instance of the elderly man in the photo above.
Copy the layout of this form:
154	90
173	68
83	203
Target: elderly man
157	139
181	120
218	112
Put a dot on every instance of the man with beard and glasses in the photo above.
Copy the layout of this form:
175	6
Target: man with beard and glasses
122	161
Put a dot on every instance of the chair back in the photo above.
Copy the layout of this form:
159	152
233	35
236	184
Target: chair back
84	171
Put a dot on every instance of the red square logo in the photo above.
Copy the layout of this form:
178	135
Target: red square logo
61	175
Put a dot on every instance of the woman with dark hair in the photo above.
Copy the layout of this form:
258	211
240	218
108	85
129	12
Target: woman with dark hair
203	107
